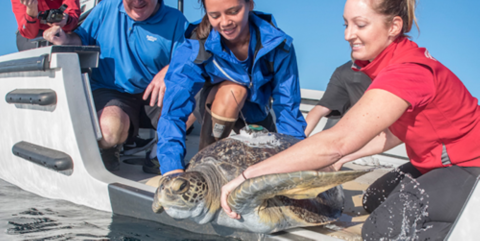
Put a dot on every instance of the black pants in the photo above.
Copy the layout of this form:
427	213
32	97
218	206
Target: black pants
140	113
416	206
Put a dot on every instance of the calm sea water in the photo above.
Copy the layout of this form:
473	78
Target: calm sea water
26	216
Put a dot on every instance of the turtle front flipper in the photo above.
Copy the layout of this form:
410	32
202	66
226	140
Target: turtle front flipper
296	185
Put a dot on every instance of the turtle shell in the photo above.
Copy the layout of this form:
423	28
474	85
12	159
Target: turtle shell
267	203
231	156
234	154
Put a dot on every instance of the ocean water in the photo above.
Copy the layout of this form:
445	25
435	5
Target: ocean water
26	216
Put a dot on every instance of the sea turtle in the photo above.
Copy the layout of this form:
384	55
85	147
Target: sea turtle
268	203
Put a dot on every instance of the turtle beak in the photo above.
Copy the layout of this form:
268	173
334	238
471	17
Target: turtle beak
156	206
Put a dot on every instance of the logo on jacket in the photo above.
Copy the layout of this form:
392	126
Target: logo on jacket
151	38
428	55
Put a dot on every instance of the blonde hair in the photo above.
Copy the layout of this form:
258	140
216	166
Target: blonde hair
405	9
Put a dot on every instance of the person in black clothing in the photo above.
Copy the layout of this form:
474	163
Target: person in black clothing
343	91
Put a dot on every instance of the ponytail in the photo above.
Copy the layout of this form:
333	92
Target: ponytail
411	6
204	28
405	9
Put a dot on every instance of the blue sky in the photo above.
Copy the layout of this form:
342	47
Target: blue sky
450	31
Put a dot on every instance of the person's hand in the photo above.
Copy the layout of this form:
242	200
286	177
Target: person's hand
32	7
156	88
61	23
226	190
55	35
337	166
29	3
173	172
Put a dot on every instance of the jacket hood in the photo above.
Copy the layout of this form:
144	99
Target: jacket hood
270	35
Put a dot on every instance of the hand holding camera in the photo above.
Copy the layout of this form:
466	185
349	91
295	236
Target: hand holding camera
54	17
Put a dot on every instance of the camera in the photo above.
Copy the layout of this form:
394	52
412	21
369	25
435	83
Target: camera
52	15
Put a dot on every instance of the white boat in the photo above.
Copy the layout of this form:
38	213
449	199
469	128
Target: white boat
49	132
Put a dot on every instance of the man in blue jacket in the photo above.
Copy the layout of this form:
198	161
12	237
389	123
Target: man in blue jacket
137	40
272	74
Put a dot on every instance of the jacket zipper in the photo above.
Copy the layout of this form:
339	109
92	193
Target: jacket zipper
228	76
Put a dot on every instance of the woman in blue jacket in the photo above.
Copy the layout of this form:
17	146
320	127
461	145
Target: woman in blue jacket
240	60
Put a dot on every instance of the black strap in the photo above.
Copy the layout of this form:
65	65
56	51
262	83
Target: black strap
30	21
203	55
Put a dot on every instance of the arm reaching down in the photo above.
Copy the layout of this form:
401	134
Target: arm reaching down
314	116
381	143
374	112
156	88
286	96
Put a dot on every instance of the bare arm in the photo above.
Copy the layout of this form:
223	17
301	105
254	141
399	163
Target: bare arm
314	116
381	143
57	36
373	113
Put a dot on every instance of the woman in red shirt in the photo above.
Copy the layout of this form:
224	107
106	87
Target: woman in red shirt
29	27
413	99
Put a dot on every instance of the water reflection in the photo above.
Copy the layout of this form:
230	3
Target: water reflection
26	216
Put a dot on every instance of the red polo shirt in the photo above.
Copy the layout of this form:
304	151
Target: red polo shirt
443	113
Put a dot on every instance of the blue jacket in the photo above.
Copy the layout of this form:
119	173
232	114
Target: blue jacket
274	75
131	52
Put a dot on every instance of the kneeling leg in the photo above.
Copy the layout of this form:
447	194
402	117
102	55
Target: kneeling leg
223	104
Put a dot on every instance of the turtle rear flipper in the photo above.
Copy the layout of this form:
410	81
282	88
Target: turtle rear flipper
295	185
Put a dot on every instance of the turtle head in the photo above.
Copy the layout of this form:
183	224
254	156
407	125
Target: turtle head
181	195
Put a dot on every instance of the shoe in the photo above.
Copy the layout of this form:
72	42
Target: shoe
111	158
137	145
151	165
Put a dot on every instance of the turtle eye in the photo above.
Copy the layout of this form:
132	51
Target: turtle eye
180	186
